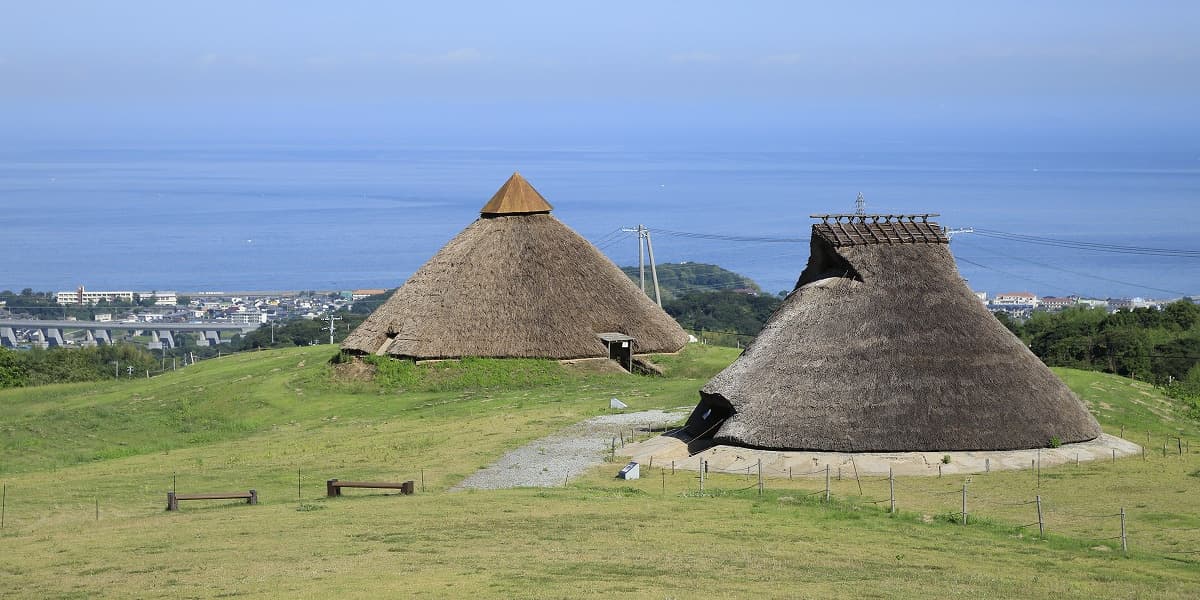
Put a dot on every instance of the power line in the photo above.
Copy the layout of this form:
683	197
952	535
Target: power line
734	238
613	240
1003	272
1079	245
1079	273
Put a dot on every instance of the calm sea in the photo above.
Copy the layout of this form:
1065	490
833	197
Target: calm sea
271	218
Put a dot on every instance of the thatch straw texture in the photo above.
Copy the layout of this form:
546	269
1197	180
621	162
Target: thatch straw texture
521	285
883	347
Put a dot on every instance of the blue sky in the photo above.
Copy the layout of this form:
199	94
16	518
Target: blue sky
940	75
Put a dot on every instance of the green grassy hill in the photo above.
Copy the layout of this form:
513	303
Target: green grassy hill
261	419
680	279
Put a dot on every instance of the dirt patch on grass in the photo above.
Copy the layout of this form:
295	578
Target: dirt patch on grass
587	366
354	370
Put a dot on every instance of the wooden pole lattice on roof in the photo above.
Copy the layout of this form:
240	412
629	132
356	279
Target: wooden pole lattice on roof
860	229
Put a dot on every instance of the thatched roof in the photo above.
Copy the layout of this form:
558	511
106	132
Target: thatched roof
883	347
517	284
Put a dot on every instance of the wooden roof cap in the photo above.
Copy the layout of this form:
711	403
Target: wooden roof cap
516	197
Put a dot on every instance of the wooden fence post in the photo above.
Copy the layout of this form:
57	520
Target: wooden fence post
760	479
891	491
1041	523
857	479
1124	541
826	483
964	504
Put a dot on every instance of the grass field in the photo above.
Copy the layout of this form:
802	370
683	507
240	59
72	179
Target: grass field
261	420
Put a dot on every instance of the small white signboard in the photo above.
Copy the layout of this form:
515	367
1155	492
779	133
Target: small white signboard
631	471
614	403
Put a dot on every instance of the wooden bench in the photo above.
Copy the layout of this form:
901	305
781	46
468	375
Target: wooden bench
173	498
333	487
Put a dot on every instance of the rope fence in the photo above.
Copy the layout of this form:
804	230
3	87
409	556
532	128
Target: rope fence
959	503
969	507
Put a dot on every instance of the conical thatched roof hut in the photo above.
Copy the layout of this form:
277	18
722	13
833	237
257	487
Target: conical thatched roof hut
515	283
881	347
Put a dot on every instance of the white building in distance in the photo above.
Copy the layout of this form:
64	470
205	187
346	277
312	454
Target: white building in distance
248	317
82	297
1016	299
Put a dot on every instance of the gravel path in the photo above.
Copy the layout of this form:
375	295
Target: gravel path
549	461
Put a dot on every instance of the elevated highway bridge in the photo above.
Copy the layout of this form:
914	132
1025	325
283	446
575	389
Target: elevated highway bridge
101	331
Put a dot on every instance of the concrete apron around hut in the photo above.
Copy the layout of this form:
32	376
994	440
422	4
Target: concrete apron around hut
662	451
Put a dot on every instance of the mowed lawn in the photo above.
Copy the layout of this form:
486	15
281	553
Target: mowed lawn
274	419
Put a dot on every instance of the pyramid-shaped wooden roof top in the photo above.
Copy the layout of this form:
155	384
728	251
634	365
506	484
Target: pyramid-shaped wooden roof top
515	197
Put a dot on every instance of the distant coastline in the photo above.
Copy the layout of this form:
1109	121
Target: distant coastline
214	218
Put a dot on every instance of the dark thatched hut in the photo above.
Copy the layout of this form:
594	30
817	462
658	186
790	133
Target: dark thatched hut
882	347
515	283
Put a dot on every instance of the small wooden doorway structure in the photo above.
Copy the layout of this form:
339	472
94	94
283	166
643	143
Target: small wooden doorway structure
620	348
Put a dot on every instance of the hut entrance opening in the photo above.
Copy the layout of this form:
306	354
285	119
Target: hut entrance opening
708	416
620	348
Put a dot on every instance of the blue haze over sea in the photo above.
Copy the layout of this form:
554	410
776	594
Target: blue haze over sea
273	217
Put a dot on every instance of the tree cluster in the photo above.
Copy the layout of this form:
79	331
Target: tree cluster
299	332
66	365
724	317
678	279
1159	346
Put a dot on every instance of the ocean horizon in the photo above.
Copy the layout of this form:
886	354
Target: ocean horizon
196	218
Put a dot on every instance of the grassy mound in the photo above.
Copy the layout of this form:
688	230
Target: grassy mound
275	419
